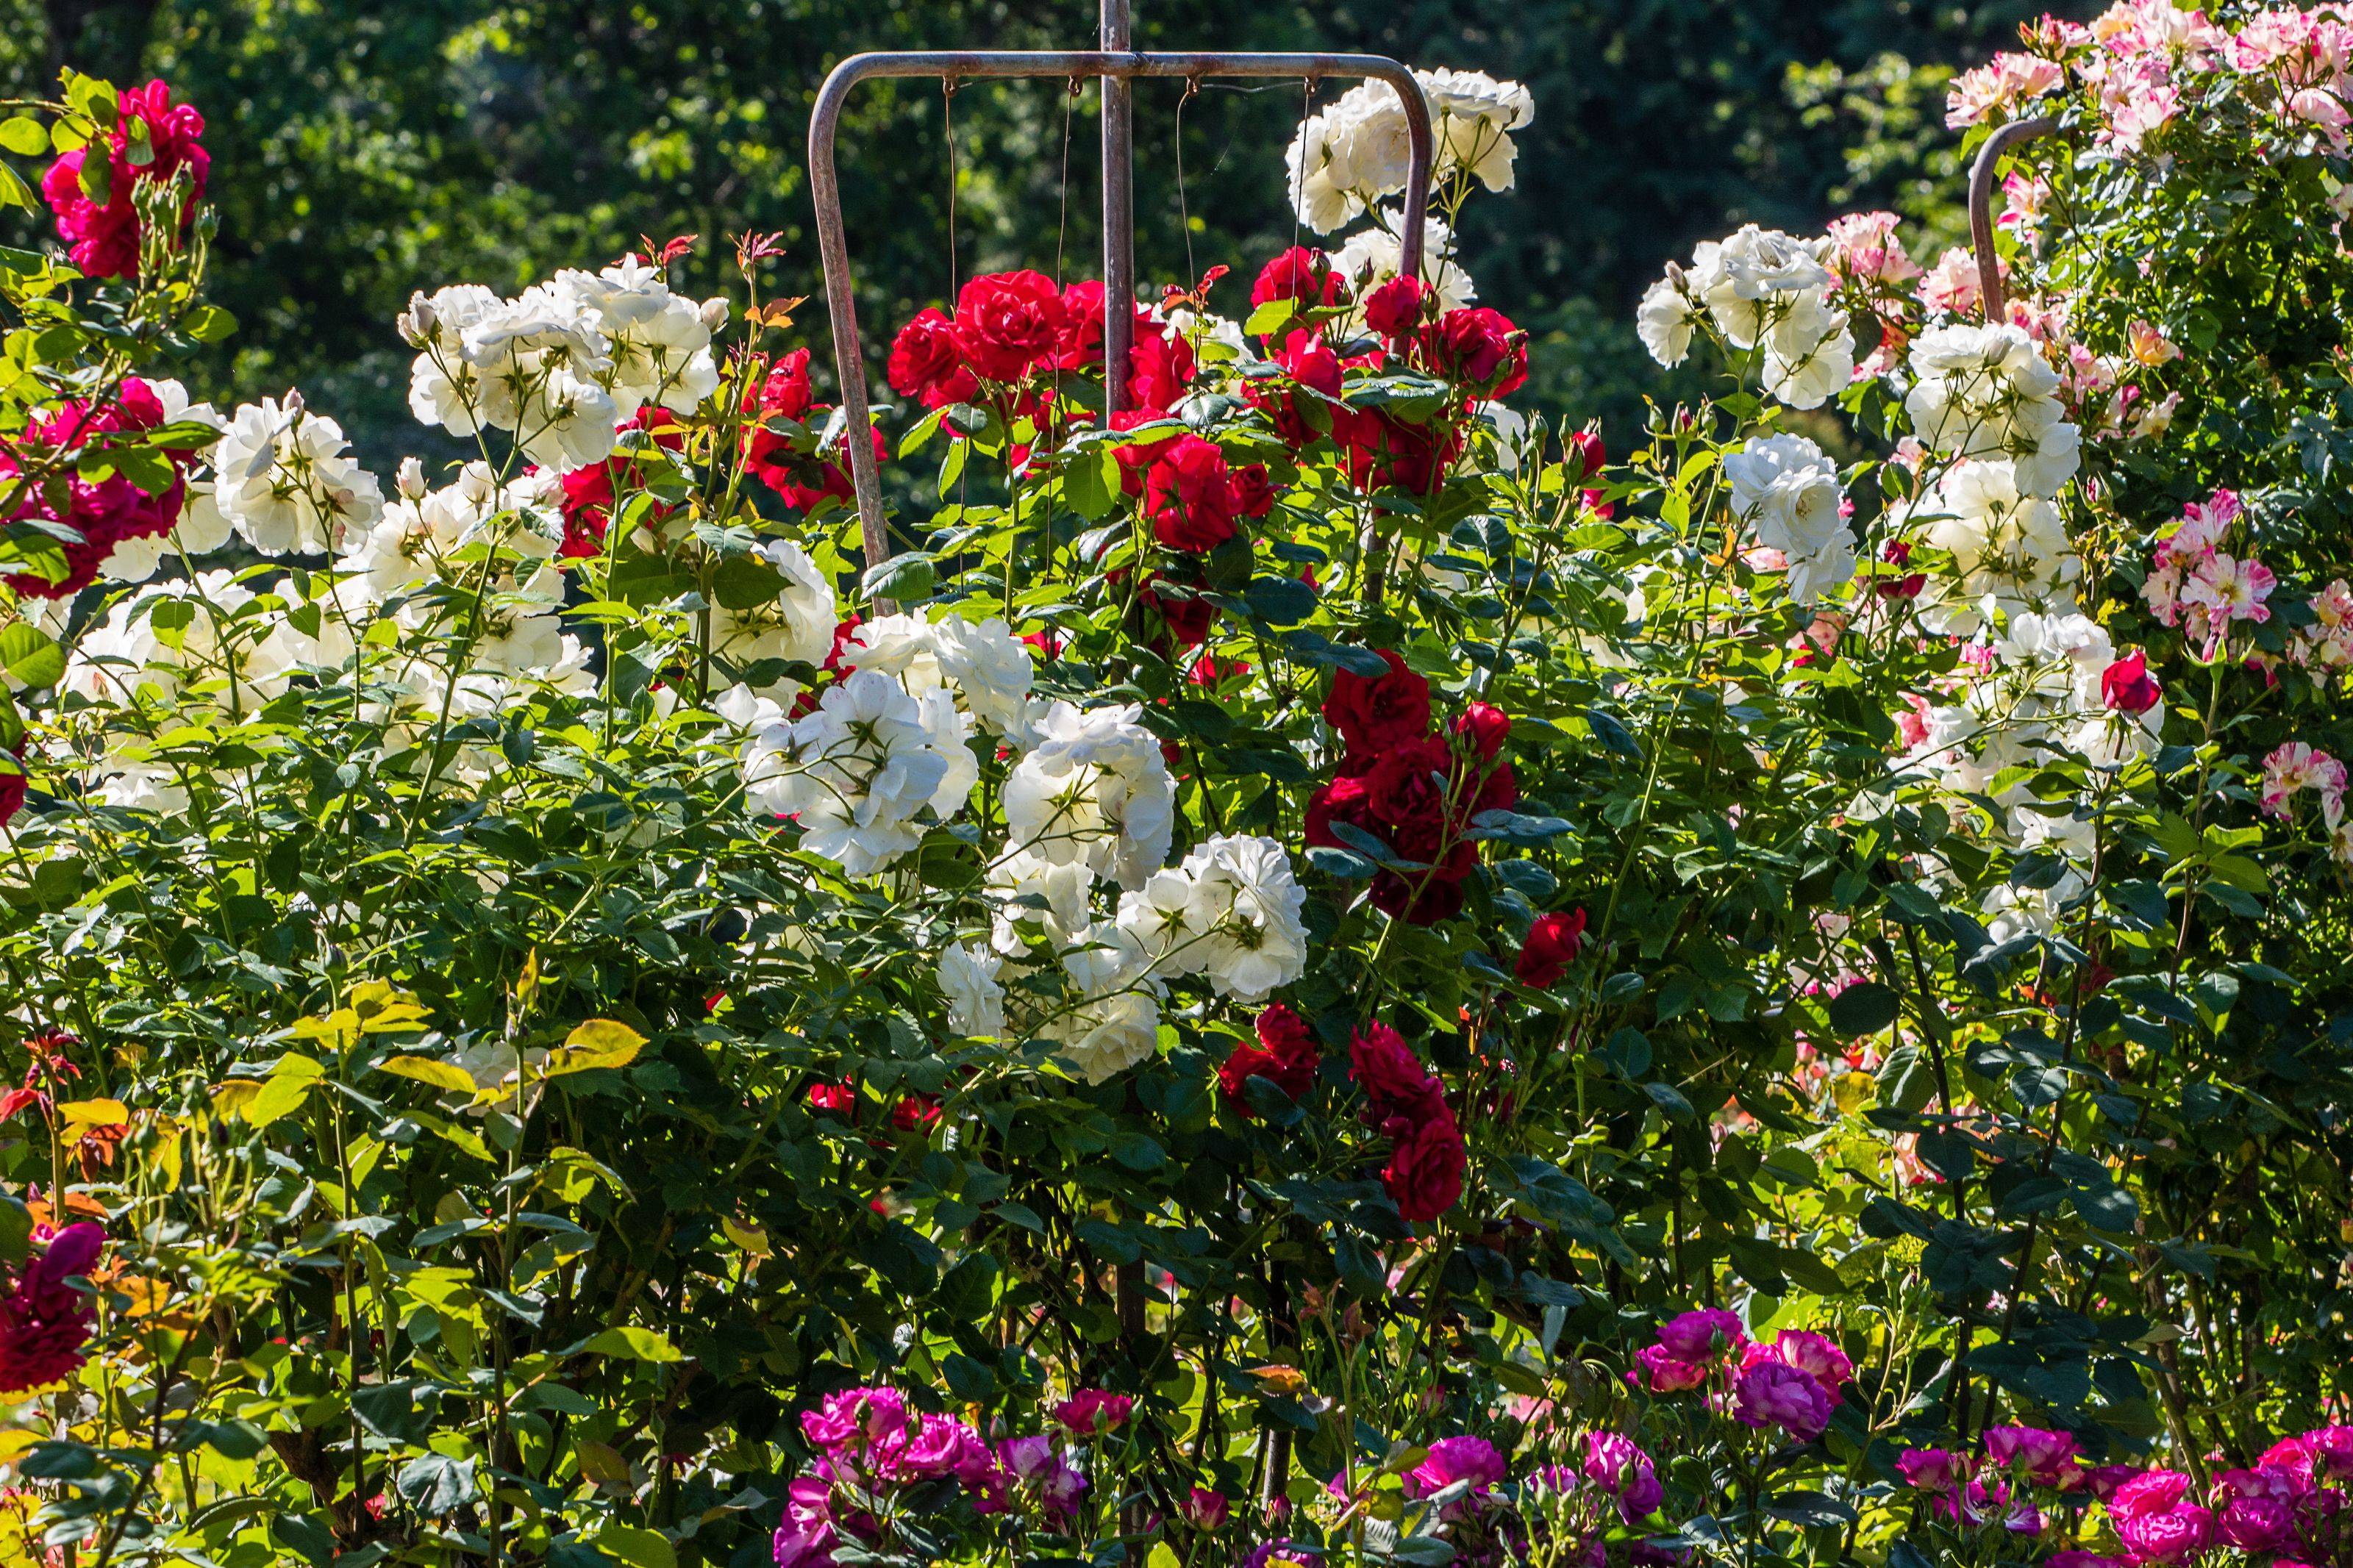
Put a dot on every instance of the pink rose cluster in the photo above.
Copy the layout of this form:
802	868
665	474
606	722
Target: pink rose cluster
2142	59
45	1319
2198	585
104	511
874	1448
1792	1381
98	217
2278	1509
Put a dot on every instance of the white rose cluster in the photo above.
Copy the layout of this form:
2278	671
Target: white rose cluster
1088	915
1787	490
1759	288
2010	549
1987	392
1350	155
561	363
284	478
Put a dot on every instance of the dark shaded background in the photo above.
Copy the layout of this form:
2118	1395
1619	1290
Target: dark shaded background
365	149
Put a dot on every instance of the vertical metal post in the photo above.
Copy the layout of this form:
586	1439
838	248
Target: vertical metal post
1118	210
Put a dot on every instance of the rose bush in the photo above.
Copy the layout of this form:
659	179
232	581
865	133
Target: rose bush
1311	970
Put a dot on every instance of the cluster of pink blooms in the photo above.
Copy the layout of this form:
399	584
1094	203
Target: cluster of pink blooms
104	512
2141	60
2327	645
1792	1381
2295	767
2194	583
873	1447
2278	1509
101	230
46	1320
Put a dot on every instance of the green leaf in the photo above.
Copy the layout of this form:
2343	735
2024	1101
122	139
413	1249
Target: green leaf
1864	1008
24	136
629	1543
745	583
30	656
435	1484
906	578
635	1344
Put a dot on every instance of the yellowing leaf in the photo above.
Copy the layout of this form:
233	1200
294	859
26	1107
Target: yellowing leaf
527	983
602	1464
598	1043
281	1092
75	1114
231	1098
425	1069
638	1344
752	1238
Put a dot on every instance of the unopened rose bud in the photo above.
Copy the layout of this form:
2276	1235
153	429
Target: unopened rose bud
714	310
419	322
411	480
1675	275
292	401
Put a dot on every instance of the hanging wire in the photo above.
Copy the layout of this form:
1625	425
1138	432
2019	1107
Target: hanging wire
1184	212
948	85
1062	217
1299	181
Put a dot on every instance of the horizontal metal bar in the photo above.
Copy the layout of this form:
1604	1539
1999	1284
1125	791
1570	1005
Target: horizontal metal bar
1981	173
955	63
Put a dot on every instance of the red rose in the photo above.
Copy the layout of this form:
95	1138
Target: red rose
1479	349
1308	360
1190	496
1081	343
784	391
1590	454
1007	322
1552	946
589	492
1424	1175
841	1098
1375	713
1138	456
1393	1079
2127	686
1159	365
1394	310
1381	451
13	783
916	1113
1253	490
1185	621
1409	781
1346	799
1484	727
927	363
104	240
1898	554
1298	274
1285	1056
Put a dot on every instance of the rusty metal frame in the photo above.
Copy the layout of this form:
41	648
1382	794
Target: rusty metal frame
1981	176
1117	67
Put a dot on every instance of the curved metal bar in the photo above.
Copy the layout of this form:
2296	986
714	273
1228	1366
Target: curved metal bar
1981	173
1112	67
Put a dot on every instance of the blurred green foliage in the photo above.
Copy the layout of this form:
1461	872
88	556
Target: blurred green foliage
363	149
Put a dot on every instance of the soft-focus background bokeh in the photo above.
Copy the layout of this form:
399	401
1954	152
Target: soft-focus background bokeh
363	149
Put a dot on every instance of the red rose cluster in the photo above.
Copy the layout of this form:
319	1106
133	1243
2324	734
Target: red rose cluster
589	492
1479	351
1406	1104
1011	328
1412	789
103	512
1285	1056
792	468
103	236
